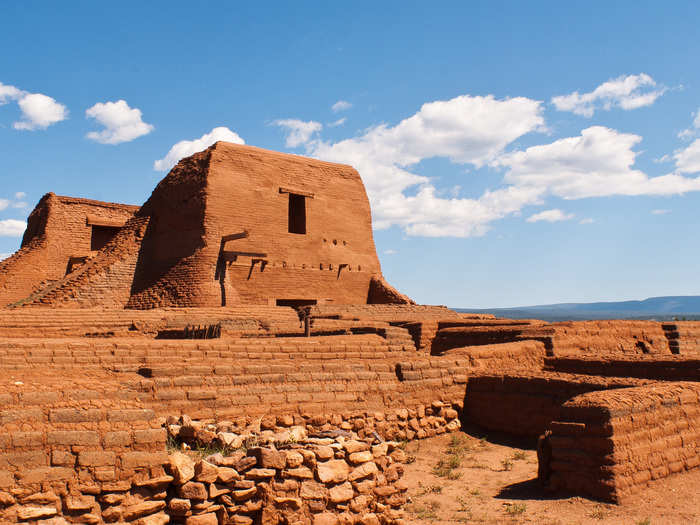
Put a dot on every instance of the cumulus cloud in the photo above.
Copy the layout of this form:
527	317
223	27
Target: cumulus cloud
625	92
476	131
341	105
468	130
298	131
688	159
20	195
39	111
185	148
121	123
12	228
8	93
598	163
660	212
554	215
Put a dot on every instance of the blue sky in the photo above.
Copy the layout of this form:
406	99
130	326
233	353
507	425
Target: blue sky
515	153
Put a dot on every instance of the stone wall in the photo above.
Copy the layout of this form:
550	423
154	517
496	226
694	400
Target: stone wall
609	444
101	464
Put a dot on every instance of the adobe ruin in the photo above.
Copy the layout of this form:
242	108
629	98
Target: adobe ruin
230	225
307	403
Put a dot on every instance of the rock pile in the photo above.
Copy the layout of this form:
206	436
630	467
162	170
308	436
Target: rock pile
322	481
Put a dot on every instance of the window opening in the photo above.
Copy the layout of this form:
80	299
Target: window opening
297	213
101	235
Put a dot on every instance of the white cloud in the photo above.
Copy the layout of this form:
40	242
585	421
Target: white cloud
16	203
185	148
338	122
341	105
554	215
626	92
12	228
390	252
476	131
465	129
298	131
39	112
598	163
8	93
122	123
4	256
587	220
688	159
660	212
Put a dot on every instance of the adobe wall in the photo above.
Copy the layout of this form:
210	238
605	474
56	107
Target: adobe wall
683	336
248	189
524	403
606	337
611	443
228	190
57	229
103	281
666	368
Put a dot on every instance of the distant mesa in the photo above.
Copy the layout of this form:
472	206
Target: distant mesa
659	308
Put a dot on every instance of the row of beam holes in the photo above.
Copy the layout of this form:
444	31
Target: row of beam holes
322	266
335	242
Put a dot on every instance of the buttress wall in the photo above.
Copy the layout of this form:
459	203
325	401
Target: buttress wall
61	232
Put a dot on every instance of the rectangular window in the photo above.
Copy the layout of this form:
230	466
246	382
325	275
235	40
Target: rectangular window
101	235
297	213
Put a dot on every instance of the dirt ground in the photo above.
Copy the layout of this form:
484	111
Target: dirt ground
467	478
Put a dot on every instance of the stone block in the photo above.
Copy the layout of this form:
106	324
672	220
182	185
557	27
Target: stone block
332	471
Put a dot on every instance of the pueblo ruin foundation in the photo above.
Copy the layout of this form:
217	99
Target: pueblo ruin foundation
242	312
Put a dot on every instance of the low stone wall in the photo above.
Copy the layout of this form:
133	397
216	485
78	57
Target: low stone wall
95	465
319	481
609	444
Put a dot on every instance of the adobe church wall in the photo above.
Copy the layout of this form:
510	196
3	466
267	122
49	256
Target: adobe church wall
250	190
57	229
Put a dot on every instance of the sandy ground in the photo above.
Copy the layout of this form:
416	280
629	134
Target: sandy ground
462	478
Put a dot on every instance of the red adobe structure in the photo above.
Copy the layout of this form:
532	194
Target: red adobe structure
174	323
230	225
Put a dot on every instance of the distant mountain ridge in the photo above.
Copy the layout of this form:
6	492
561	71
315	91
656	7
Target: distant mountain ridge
661	308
